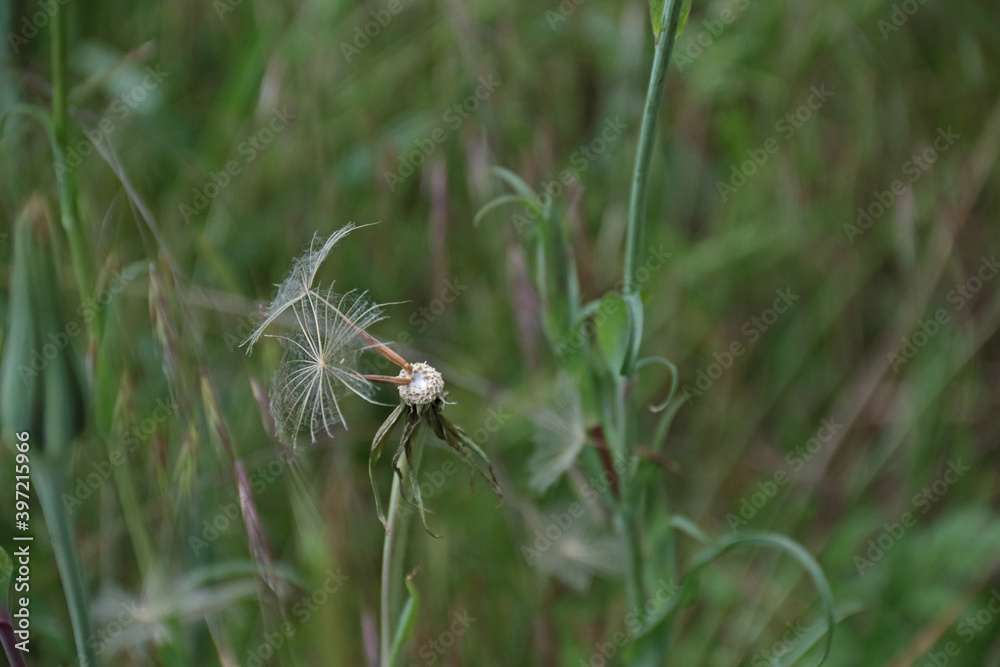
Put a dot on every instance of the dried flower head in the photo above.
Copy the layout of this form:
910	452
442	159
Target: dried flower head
425	384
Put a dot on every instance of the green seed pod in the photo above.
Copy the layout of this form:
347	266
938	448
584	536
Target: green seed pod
41	384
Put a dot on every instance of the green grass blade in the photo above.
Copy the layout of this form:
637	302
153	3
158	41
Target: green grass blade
515	182
745	540
502	200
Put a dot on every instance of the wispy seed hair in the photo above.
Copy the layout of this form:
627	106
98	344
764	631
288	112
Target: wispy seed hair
320	361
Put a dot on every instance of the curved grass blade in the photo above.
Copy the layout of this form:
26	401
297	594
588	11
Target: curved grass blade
742	540
501	201
687	526
514	181
815	632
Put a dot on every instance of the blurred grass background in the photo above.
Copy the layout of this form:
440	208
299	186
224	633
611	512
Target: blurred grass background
228	66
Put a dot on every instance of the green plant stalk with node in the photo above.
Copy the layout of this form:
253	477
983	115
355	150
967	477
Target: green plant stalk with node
629	506
609	370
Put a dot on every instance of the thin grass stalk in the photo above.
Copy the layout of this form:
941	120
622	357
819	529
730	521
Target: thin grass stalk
50	479
394	551
66	177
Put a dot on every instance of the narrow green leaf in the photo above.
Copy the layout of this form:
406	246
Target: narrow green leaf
685	12
613	335
656	9
633	338
656	17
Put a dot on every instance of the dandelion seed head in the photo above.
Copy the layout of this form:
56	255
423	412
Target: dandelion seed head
319	364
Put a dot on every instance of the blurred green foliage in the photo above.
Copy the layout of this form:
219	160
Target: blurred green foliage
343	108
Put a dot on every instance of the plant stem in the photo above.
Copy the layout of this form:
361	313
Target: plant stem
394	551
50	480
65	175
60	120
647	136
627	519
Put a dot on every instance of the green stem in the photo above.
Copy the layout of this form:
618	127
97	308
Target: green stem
647	136
65	175
394	552
50	479
627	518
60	120
634	586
